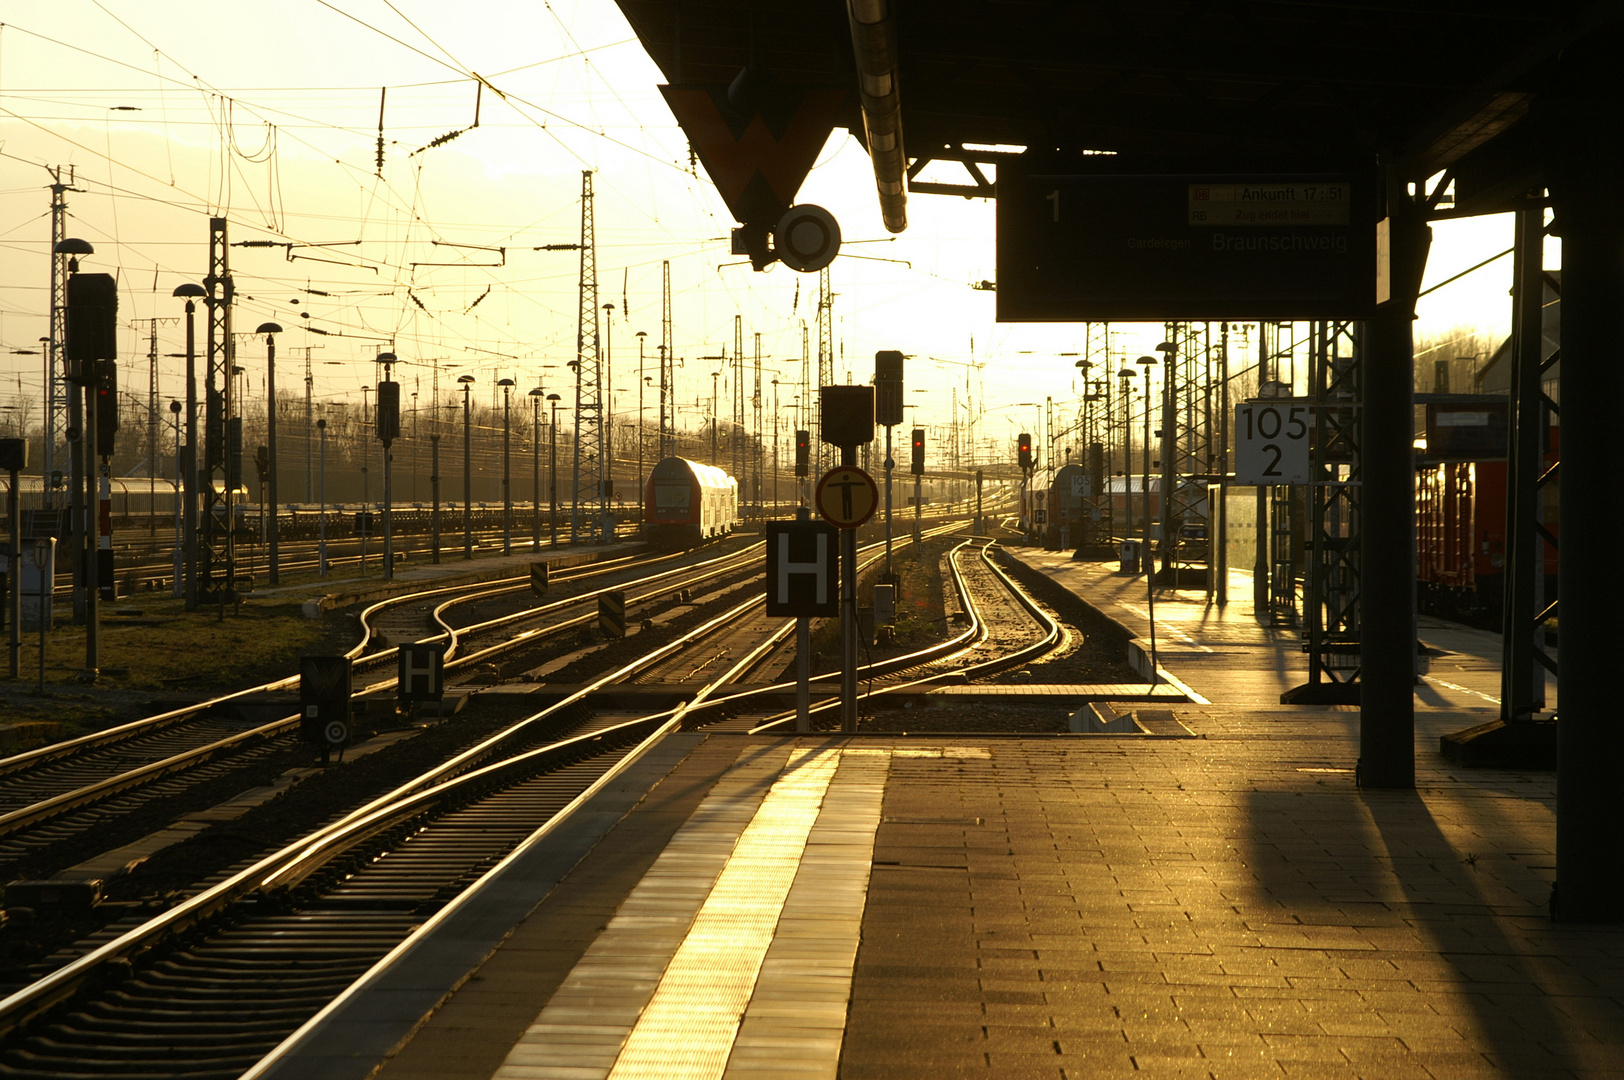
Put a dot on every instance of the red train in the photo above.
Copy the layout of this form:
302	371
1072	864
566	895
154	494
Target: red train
687	502
1460	534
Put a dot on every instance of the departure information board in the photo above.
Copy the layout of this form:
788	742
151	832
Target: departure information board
1123	239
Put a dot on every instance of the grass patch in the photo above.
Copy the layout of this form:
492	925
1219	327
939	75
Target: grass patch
166	647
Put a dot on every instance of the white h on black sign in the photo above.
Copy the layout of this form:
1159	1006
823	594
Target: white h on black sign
801	569
422	671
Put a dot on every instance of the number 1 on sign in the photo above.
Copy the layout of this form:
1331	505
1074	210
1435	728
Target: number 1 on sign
1053	198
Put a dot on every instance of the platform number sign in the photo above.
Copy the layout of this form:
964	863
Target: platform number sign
1271	442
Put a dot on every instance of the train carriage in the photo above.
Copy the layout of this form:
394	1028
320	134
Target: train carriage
686	502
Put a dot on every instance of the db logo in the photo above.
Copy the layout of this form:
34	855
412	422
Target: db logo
1200	193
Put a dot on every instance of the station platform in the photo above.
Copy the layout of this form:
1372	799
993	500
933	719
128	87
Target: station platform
1229	905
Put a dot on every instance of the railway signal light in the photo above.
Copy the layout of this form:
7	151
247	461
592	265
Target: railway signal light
918	467
803	453
1023	450
92	320
888	388
388	411
106	390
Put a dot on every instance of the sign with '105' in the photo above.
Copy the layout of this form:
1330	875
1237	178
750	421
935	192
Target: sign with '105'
1271	442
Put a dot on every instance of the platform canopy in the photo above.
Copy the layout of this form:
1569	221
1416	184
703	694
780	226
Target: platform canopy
1426	86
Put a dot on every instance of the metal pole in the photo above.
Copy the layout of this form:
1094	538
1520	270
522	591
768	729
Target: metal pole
1387	530
535	472
507	472
42	597
388	511
552	477
917	535
890	575
434	491
803	674
606	473
189	464
1127	457
848	615
178	589
14	568
467	476
1169	449
1147	557
1522	678
321	526
87	440
273	530
642	336
1220	553
366	508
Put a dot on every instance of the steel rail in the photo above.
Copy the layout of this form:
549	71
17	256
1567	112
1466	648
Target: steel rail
295	862
88	794
1054	635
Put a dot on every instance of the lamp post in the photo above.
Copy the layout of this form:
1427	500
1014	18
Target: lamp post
1170	446
188	469
507	474
642	336
665	452
1147	362
321	493
273	538
606	475
1126	375
434	491
366	476
552	470
775	446
467	382
715	375
179	587
535	468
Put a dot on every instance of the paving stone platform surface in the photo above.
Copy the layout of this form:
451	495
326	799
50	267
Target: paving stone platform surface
1228	905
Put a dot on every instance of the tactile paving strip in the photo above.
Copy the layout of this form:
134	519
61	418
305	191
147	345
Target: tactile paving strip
752	913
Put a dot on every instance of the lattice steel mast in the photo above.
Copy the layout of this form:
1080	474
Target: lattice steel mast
217	550
589	440
826	362
668	437
58	391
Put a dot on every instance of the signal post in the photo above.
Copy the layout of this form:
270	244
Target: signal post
846	496
888	413
917	467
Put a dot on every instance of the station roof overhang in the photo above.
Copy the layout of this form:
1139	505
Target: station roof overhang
1426	87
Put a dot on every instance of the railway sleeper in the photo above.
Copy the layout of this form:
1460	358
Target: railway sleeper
170	1015
137	1046
37	1067
134	996
185	965
143	990
181	986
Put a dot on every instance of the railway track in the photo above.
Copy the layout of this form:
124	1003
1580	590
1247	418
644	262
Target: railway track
208	987
64	791
331	902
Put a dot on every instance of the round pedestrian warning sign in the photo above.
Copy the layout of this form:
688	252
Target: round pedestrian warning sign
847	496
